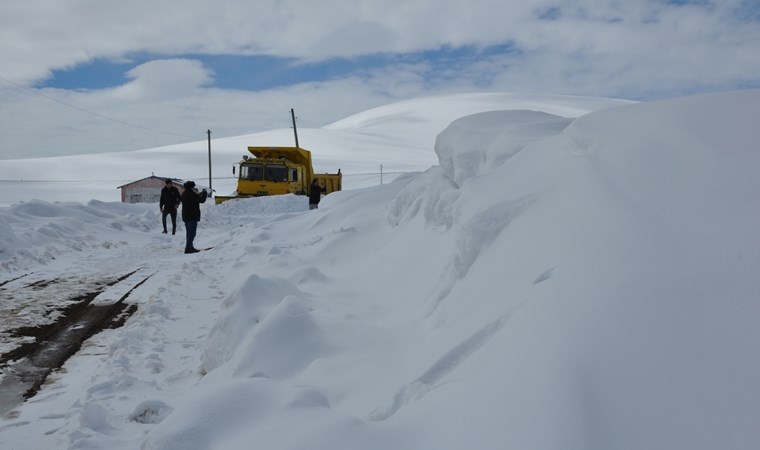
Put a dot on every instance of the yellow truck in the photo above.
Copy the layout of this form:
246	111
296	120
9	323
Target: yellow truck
277	171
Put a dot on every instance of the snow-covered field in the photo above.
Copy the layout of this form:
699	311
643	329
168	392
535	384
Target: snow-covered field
540	282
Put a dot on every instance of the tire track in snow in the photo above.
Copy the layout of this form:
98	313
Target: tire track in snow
13	279
27	367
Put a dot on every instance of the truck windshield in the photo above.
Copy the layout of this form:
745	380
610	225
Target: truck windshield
276	172
252	172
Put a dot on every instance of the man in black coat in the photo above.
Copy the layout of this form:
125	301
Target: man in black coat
315	194
191	213
169	203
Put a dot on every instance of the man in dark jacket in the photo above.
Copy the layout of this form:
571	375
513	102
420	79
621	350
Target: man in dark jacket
315	194
191	213
169	203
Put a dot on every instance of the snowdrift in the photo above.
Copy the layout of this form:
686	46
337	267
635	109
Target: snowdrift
561	284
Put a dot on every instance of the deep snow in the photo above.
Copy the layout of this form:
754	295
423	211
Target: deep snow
549	283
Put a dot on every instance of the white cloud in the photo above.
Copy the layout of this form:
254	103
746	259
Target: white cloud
41	35
164	80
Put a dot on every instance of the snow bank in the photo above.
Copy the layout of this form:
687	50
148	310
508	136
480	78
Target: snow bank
36	232
483	142
577	285
255	300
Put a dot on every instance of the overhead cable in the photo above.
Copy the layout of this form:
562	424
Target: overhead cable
102	116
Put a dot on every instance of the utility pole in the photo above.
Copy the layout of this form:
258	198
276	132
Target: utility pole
210	189
381	174
295	131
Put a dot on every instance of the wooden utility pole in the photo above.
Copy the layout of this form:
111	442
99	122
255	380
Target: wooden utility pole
295	131
210	189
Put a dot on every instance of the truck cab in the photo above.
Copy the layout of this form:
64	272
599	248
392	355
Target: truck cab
278	171
270	177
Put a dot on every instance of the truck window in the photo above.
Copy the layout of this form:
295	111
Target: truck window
276	172
252	172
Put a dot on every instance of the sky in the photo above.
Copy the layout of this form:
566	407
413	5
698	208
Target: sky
81	77
565	276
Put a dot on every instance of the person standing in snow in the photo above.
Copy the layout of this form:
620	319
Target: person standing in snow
169	203
315	194
191	213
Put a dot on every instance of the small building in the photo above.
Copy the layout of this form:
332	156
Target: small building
147	190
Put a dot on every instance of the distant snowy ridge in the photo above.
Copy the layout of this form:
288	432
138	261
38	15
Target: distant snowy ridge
419	110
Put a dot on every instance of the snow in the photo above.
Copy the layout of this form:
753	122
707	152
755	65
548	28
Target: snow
552	273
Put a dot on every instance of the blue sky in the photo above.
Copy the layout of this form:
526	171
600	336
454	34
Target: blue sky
259	72
84	77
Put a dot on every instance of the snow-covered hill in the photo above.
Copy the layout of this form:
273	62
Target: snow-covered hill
357	145
550	283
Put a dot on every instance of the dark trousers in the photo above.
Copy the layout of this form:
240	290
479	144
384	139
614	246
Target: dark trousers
191	228
167	211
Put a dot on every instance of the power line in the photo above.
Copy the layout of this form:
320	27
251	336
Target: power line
102	116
